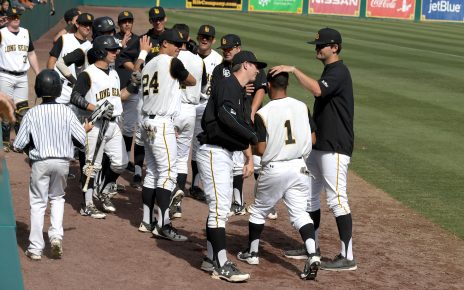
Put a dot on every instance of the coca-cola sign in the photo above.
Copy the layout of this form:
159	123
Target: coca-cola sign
401	9
335	7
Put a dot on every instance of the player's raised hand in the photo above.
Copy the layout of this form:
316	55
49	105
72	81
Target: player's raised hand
145	43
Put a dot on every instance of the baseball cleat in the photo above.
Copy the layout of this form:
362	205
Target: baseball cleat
108	205
311	267
168	232
197	193
146	228
32	256
236	209
207	265
176	196
175	211
57	248
251	258
273	214
300	253
229	272
137	182
339	263
92	211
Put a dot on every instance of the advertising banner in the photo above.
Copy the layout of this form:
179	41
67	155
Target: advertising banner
288	6
214	4
443	10
335	7
399	9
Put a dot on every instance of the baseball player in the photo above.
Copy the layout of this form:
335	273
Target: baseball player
206	38
284	142
70	17
16	56
129	60
184	123
68	43
48	132
98	83
161	79
227	128
131	107
231	45
328	162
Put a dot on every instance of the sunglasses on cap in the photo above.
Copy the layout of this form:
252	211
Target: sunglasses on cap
157	19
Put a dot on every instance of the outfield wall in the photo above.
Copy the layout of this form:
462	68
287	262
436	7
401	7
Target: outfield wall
412	10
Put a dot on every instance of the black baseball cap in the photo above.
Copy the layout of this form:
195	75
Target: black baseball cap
207	30
13	11
248	56
229	41
125	15
85	19
156	13
327	36
69	14
172	35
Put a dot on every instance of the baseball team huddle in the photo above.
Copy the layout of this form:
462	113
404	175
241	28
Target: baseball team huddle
174	99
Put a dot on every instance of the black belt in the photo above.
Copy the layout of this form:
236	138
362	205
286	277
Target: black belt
15	73
151	116
66	83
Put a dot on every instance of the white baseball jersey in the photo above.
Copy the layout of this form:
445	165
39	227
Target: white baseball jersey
194	64
161	92
211	61
289	132
104	86
13	50
70	43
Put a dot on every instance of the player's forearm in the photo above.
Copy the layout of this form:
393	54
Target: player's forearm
257	102
51	62
33	61
308	83
189	81
128	65
80	102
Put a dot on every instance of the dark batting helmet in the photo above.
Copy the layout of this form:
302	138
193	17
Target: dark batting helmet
103	25
102	44
48	84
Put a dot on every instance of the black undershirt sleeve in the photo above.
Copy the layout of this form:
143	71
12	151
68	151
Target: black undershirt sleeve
178	70
57	47
204	78
76	57
31	45
80	89
260	128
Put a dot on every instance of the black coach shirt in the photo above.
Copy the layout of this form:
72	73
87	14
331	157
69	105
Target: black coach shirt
124	74
132	50
334	110
226	121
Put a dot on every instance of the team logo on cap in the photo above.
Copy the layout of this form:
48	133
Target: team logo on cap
206	29
13	10
126	13
180	34
110	22
224	41
89	18
156	11
317	36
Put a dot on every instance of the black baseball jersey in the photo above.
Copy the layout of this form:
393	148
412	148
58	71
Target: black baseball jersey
131	52
226	121
124	74
334	110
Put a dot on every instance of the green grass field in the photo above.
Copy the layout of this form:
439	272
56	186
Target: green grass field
409	103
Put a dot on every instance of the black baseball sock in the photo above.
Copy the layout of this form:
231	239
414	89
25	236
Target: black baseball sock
163	197
256	175
218	241
81	166
254	233
181	180
238	185
345	226
316	217
128	142
109	176
194	172
139	155
148	200
307	232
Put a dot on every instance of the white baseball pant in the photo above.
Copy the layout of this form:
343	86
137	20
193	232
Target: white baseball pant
185	125
112	144
160	152
329	171
48	181
199	110
131	114
215	165
287	180
15	86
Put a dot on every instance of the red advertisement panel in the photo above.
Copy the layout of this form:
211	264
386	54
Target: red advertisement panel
400	9
335	7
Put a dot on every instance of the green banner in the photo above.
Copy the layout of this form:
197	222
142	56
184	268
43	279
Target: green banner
286	6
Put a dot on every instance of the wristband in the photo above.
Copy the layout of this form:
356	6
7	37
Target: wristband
143	55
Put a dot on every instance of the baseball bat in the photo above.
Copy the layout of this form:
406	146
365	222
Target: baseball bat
101	135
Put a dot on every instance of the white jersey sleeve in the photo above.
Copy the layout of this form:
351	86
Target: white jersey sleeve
104	86
211	61
194	64
288	130
161	92
14	50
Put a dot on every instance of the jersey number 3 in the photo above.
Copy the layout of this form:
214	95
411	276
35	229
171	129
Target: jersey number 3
290	139
150	85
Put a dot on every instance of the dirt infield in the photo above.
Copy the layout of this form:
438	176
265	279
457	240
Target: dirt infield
394	246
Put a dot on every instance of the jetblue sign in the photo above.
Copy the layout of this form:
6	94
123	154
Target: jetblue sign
444	10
